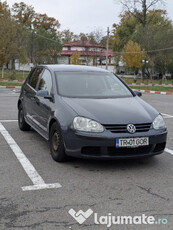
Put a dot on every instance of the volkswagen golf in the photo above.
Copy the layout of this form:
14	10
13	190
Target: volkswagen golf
89	112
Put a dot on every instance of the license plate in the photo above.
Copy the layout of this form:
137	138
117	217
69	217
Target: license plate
132	142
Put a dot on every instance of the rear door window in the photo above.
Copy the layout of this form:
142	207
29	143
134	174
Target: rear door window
34	77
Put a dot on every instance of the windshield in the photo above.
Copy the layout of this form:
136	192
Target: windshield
90	85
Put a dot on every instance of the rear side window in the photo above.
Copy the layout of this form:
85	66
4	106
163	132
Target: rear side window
46	81
34	77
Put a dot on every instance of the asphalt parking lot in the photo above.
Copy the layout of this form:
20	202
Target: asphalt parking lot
118	188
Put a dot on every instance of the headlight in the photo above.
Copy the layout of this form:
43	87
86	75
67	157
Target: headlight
159	123
87	125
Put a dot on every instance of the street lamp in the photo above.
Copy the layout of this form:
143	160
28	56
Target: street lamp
145	61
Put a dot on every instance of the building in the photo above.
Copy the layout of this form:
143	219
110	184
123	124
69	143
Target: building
90	54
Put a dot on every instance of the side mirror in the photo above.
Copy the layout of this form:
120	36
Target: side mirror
139	94
44	94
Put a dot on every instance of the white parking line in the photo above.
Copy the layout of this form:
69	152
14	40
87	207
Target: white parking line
167	115
169	151
38	182
6	121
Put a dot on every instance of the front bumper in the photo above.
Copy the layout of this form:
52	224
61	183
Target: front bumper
103	145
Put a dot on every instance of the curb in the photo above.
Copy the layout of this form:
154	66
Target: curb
10	87
164	85
154	92
14	81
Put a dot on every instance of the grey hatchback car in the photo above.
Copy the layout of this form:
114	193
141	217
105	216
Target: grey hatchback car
89	112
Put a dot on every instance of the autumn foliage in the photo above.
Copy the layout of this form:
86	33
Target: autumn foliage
74	59
133	55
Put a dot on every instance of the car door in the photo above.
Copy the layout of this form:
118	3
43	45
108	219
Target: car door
29	93
44	106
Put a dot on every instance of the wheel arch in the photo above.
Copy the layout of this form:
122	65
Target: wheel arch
19	103
52	121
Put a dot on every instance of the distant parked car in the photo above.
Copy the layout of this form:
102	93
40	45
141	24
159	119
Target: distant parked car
89	112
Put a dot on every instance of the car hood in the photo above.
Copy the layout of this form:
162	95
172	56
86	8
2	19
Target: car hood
114	111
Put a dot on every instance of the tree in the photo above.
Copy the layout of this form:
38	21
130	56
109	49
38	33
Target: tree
23	14
124	31
74	59
49	24
104	40
154	38
133	55
140	8
10	37
162	59
66	36
46	47
83	37
46	41
41	39
95	36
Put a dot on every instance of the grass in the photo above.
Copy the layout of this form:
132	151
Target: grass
146	81
10	84
154	88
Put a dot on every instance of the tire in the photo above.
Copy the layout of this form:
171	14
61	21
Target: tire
57	144
21	120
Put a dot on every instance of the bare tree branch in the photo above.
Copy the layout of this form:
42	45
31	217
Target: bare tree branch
140	8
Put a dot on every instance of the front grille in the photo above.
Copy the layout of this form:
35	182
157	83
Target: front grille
123	128
112	151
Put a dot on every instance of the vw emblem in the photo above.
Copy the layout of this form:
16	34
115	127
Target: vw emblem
131	128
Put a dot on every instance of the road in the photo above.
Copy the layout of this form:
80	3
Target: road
114	188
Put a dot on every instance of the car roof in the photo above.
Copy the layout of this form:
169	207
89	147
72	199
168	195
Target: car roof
74	68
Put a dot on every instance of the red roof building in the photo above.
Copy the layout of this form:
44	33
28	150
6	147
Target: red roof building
90	54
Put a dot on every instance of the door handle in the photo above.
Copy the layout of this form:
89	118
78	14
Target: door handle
34	99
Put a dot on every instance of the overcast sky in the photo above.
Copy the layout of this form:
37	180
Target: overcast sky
83	15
